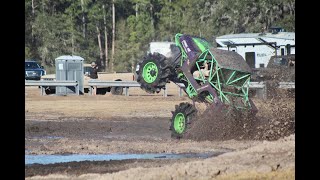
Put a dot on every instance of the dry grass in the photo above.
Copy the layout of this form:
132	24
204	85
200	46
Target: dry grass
138	103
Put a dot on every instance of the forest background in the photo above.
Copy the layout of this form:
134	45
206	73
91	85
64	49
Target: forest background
116	33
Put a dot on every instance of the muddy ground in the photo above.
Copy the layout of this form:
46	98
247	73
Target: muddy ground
139	123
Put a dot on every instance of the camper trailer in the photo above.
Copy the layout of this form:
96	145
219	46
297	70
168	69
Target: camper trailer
257	48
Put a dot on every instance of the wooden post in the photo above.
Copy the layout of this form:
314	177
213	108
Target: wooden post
94	90
91	89
180	92
42	90
127	91
165	92
77	89
265	95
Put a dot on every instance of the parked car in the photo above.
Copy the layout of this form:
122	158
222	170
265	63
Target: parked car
33	71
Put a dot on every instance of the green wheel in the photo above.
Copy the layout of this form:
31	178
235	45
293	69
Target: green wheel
181	119
179	123
153	72
150	72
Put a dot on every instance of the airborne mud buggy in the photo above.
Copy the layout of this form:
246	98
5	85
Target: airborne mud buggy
218	78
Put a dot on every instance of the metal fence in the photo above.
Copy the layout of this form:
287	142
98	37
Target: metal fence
125	84
45	83
287	85
260	87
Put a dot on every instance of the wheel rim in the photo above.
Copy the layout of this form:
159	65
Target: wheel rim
179	123
150	72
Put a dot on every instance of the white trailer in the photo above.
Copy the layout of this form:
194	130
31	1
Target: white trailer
165	48
257	48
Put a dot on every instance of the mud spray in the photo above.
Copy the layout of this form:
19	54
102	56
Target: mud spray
275	119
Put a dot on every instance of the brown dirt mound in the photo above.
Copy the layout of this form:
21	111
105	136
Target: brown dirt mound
275	119
219	125
276	93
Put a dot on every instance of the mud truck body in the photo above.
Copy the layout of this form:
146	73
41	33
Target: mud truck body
216	77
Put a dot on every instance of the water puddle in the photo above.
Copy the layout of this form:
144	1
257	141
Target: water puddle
51	159
46	137
52	137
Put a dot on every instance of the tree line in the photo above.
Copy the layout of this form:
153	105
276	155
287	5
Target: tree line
116	33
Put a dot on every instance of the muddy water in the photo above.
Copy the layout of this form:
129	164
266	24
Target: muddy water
51	159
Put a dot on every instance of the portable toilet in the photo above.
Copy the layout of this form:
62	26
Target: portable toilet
69	68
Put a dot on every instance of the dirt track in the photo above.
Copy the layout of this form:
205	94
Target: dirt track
140	124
